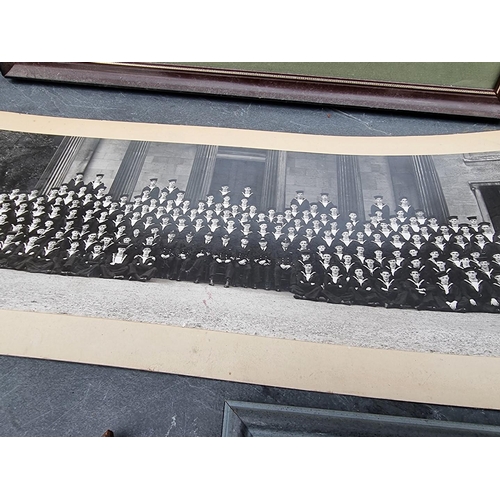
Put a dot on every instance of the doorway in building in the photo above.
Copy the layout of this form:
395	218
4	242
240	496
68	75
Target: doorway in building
491	197
238	168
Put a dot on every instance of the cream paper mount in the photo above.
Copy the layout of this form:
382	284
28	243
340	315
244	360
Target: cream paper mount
381	372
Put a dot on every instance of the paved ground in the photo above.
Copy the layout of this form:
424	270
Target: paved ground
252	312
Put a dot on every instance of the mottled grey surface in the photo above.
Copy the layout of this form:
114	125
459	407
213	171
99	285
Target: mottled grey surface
161	107
48	398
253	312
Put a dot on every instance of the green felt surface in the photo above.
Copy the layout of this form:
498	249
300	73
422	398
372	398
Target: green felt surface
479	75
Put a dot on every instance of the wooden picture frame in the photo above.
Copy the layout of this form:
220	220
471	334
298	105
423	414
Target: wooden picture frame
390	95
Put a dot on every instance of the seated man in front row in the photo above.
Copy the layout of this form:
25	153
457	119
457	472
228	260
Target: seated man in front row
262	260
307	284
242	254
283	264
222	258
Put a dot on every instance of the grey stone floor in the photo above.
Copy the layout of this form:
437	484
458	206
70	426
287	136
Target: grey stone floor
252	312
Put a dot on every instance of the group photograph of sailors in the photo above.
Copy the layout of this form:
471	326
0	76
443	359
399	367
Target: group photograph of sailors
393	256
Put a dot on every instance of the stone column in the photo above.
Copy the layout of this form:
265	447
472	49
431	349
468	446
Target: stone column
83	158
57	170
483	209
130	169
274	183
202	172
350	193
429	187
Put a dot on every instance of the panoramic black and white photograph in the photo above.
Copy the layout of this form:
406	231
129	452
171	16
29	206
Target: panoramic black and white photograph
389	252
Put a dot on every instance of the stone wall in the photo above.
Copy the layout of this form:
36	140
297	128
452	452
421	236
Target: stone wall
455	175
106	160
82	159
318	172
166	161
375	179
311	172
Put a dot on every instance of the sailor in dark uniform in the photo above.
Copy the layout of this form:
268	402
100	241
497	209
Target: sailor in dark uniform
414	264
453	224
495	293
242	258
323	264
223	193
45	260
404	205
69	259
360	256
307	285
108	244
447	294
314	210
324	204
482	245
335	287
231	230
421	218
33	196
94	186
116	265
362	289
199	229
246	232
202	257
389	290
143	266
244	206
348	266
371	269
495	261
24	254
376	243
91	262
222	257
179	198
76	183
248	194
488	233
476	291
379	205
172	189
283	264
184	255
300	200
485	270
154	190
167	255
262	260
418	291
210	201
459	244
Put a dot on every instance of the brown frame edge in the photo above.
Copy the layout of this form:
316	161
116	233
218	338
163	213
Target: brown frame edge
269	86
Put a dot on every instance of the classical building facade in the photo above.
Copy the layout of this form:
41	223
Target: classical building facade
461	184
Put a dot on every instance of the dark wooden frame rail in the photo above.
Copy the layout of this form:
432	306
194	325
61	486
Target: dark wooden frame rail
484	103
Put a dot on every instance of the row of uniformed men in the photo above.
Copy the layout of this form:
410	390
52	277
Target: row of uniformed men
272	228
437	284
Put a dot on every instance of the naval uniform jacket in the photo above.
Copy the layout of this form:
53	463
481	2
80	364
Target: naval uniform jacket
480	292
336	288
447	293
363	290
